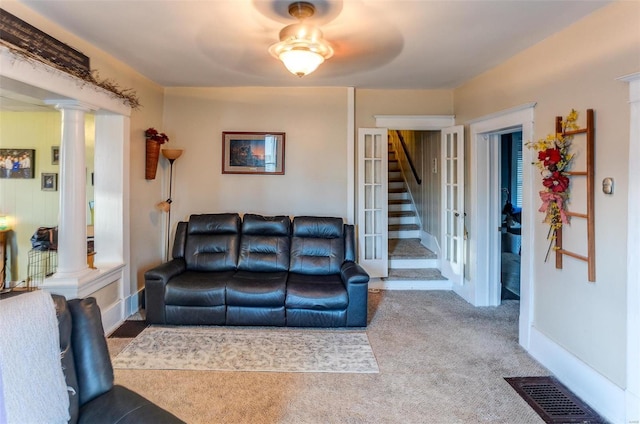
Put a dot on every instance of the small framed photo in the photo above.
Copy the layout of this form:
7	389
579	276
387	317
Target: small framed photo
55	155
17	163
253	153
49	182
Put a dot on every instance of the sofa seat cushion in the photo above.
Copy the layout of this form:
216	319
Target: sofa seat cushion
192	288
317	292
121	405
248	288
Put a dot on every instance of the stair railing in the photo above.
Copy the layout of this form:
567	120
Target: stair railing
406	153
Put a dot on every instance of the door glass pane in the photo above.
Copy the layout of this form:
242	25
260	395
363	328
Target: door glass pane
368	172
368	248
378	147
368	146
454	250
377	203
454	198
454	145
378	172
368	197
454	171
368	222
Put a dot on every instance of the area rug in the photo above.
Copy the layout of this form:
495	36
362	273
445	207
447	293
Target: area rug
267	350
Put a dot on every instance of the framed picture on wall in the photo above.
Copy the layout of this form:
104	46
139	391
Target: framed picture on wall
55	155
17	163
253	153
49	182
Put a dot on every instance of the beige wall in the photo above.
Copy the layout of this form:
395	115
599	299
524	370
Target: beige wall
577	68
315	123
370	102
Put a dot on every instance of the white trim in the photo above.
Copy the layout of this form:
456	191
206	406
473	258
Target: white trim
382	284
430	242
22	75
112	316
633	247
476	288
502	113
414	122
133	303
592	387
351	156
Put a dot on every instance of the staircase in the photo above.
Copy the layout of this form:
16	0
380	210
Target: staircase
411	265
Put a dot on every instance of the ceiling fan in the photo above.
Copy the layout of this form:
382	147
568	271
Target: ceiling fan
302	47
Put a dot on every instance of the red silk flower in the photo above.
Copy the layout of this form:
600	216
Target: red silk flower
557	182
550	156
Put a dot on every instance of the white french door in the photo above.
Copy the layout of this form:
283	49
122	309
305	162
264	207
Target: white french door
452	204
372	201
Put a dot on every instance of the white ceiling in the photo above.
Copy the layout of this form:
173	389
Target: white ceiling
400	44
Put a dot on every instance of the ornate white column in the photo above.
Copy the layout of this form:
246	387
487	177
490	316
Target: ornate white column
72	226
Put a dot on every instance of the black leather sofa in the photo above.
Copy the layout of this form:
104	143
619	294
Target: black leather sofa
259	270
93	398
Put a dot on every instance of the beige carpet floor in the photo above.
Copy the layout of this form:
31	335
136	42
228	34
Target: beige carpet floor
441	361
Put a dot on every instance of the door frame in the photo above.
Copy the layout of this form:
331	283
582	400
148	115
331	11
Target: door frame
484	243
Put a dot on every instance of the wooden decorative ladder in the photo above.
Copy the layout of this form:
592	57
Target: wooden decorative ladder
589	173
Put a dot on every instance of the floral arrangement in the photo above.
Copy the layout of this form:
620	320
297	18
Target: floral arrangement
153	135
554	161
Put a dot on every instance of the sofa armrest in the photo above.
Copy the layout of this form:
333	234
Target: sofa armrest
356	281
352	273
155	281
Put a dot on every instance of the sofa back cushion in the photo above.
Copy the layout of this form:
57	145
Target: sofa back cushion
179	240
317	245
212	242
90	352
265	243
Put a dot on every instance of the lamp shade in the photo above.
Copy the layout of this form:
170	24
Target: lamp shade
172	154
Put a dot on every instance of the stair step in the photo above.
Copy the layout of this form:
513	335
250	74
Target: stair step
397	190
414	274
396	180
401	214
410	248
403	227
399	201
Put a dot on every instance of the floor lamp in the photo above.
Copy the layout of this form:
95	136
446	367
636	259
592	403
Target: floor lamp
171	155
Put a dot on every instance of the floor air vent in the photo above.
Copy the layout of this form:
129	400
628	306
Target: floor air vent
553	401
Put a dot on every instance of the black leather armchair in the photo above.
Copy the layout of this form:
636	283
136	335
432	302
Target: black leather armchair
93	398
259	271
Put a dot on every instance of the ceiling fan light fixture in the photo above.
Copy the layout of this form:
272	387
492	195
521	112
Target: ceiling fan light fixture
301	62
302	47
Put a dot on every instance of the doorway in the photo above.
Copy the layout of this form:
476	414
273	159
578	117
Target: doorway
484	288
511	213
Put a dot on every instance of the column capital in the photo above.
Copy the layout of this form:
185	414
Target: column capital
70	104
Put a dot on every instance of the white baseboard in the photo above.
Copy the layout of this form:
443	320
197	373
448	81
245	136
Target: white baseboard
380	284
430	242
134	303
112	316
597	391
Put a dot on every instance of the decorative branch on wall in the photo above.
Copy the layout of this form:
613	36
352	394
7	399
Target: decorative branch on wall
554	162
